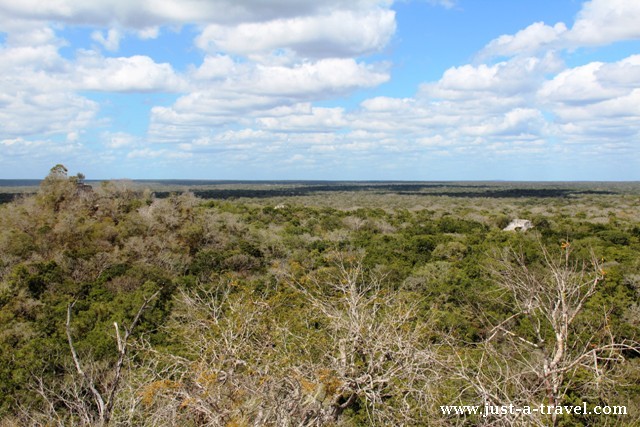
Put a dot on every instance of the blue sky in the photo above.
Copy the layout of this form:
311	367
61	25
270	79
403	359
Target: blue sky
324	89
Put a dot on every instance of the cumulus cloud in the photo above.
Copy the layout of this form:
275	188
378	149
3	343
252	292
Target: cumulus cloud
518	122
30	35
597	103
599	22
342	33
117	140
621	74
531	40
149	153
592	82
144	14
28	114
38	151
149	33
111	41
515	77
216	67
385	103
306	51
575	86
35	97
328	76
199	112
605	21
318	120
23	58
126	74
593	104
253	98
228	91
514	106
39	88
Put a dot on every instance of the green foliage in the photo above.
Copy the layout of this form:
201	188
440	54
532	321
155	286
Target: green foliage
109	248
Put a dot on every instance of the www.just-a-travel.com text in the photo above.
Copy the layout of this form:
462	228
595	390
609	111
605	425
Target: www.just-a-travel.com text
492	410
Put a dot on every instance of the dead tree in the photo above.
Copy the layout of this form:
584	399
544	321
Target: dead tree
547	346
379	357
97	408
233	373
245	367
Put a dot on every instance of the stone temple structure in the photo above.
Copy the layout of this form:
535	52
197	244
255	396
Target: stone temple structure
518	225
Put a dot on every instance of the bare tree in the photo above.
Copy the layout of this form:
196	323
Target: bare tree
548	346
88	397
367	350
233	372
378	356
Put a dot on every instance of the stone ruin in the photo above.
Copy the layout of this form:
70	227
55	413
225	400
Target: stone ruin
519	225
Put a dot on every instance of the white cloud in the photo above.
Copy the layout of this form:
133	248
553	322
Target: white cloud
126	74
143	14
622	74
39	87
117	140
519	122
73	136
385	103
215	67
25	114
36	149
606	114
233	140
111	41
605	21
599	22
526	42
622	107
149	33
325	77
148	153
322	37
197	113
228	92
31	35
44	58
36	97
591	104
515	77
592	83
252	100
343	33
575	85
318	120
511	108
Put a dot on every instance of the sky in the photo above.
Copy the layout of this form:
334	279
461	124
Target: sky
531	90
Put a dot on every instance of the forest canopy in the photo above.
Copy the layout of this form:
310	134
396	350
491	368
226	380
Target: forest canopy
120	307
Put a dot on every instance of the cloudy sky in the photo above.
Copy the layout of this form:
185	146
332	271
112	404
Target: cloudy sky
322	89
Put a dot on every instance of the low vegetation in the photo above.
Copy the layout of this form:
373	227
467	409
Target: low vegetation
322	306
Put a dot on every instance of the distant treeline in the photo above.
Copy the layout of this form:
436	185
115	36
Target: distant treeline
8	197
400	189
208	189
